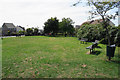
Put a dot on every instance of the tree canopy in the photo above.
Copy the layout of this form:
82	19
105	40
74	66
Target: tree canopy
51	26
66	26
29	31
102	9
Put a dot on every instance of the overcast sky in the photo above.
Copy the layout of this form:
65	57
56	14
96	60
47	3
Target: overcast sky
33	13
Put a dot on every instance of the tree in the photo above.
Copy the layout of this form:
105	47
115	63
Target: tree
66	26
51	26
36	30
102	9
118	26
29	31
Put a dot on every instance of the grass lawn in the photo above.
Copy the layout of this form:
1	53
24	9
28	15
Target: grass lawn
55	57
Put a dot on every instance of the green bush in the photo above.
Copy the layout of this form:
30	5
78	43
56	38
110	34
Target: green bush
96	32
29	32
91	31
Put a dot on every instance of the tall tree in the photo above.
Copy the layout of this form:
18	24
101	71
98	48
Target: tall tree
51	26
102	9
66	26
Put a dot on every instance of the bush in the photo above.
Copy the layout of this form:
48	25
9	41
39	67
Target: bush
29	32
91	31
21	32
96	32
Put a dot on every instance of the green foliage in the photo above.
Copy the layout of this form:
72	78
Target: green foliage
21	32
51	26
119	27
114	36
97	32
66	26
9	33
91	31
102	9
117	37
36	30
29	31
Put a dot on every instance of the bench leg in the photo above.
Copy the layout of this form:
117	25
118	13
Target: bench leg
91	50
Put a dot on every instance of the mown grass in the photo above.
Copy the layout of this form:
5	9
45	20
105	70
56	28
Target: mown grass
55	57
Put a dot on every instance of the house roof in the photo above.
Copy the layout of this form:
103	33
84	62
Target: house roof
19	28
9	25
98	21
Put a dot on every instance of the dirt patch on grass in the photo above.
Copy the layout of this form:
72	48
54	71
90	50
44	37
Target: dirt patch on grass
88	52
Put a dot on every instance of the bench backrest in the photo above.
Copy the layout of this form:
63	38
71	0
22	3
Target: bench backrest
94	45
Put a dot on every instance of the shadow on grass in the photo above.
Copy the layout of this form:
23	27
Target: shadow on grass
96	53
114	61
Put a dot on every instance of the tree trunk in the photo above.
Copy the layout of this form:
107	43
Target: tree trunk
105	25
108	36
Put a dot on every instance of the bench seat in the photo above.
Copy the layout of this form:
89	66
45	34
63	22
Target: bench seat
90	47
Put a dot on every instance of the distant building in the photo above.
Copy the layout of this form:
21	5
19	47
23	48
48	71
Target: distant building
77	26
8	27
19	28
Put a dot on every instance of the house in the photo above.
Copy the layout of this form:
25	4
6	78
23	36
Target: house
11	28
19	28
8	27
77	26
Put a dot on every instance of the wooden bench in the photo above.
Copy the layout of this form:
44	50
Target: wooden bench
83	40
92	47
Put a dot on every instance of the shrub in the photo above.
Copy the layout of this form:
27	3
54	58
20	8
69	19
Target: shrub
96	32
29	32
91	31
